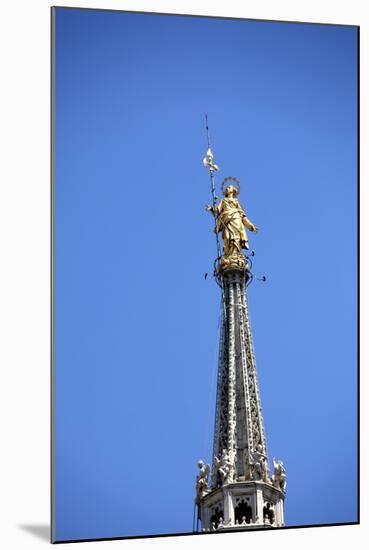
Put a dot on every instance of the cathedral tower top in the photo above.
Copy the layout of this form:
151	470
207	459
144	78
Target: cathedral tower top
237	491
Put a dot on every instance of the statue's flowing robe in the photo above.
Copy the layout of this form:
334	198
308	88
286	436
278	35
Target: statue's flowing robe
231	221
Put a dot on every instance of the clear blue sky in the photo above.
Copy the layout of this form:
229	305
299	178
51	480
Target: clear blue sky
136	324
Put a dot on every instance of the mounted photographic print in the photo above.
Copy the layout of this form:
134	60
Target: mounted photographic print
205	252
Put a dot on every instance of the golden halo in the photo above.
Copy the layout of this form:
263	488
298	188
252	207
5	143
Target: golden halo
235	180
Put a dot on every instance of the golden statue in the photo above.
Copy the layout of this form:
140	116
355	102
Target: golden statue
230	220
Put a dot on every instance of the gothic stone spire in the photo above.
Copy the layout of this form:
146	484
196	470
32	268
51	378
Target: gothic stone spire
238	491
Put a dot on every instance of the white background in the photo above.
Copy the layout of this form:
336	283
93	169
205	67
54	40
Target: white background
25	279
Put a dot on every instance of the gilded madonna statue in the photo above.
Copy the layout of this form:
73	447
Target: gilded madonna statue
231	221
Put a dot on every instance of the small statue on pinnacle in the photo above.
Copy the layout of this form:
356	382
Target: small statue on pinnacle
230	220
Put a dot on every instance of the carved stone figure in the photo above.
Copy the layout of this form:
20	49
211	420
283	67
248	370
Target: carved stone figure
268	513
231	220
258	463
279	478
224	468
202	479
